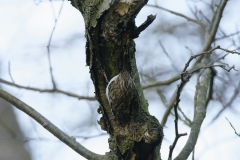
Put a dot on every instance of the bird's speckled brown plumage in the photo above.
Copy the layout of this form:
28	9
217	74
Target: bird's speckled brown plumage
120	92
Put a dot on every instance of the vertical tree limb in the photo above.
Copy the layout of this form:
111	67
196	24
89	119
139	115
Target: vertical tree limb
202	89
110	48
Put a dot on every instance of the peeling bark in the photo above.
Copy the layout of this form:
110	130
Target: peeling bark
110	48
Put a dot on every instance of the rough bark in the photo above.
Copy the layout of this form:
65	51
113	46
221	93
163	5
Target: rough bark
110	48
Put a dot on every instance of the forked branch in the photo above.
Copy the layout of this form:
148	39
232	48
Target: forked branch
201	101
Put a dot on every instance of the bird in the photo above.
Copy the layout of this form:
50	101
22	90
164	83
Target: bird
120	91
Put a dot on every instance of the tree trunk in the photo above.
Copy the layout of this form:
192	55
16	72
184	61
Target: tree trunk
110	49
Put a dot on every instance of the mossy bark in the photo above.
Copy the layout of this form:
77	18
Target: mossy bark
110	30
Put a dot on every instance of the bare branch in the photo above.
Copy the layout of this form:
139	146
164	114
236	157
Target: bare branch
179	14
50	40
228	51
212	28
70	141
88	137
169	108
177	77
233	127
163	99
200	12
42	139
48	90
233	97
37	2
9	71
143	26
211	66
188	121
161	96
161	83
185	77
189	50
164	51
197	55
177	100
50	68
225	36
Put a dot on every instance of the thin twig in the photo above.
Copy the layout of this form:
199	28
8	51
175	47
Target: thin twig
200	12
197	55
184	115
164	51
211	66
94	136
177	77
212	28
48	90
37	2
195	12
9	71
161	83
50	40
225	36
233	127
164	101
179	14
177	135
229	103
224	81
189	50
229	51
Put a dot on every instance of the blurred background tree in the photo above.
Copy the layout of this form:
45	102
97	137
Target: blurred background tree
12	140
